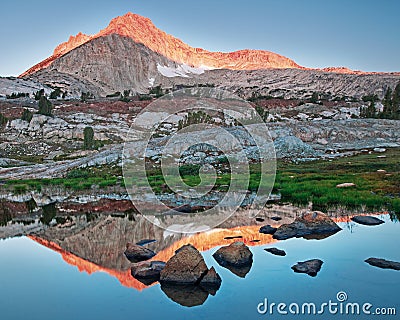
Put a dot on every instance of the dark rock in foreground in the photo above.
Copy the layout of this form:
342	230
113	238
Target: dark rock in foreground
384	264
311	267
149	270
186	279
136	253
187	266
236	254
268	229
211	279
276	251
314	223
236	257
367	220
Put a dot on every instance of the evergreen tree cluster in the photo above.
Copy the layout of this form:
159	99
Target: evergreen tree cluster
391	103
17	95
194	118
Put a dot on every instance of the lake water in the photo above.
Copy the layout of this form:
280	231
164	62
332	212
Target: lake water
37	283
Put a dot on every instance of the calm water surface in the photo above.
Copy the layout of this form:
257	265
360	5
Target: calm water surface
36	283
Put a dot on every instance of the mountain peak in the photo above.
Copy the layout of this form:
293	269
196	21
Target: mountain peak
142	30
72	43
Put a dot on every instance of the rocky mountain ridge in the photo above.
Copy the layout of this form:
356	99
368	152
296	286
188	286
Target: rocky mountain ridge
142	30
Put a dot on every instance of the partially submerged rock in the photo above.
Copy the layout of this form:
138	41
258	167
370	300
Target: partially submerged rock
384	264
145	241
233	237
236	254
211	279
314	223
310	267
187	266
186	279
367	220
267	229
147	270
136	253
276	251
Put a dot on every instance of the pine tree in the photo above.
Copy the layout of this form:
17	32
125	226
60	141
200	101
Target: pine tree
3	120
45	106
88	138
39	94
27	115
387	102
396	102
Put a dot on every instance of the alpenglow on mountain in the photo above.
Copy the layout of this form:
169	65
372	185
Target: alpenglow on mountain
142	30
132	54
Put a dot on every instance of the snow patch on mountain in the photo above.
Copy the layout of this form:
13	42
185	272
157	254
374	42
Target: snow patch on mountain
182	70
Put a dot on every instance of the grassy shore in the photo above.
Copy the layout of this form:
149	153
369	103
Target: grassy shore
376	179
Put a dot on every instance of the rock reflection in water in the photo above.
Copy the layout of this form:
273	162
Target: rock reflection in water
240	271
188	295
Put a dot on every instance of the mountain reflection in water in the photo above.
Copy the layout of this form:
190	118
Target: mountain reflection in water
97	244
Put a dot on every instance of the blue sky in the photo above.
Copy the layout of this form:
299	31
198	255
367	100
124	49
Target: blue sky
362	35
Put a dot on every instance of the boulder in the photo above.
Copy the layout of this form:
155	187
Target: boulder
291	146
136	253
236	254
276	251
314	223
187	266
384	264
310	267
211	279
367	220
346	185
147	270
267	229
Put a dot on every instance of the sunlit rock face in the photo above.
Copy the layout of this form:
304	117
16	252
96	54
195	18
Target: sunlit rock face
132	53
142	30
